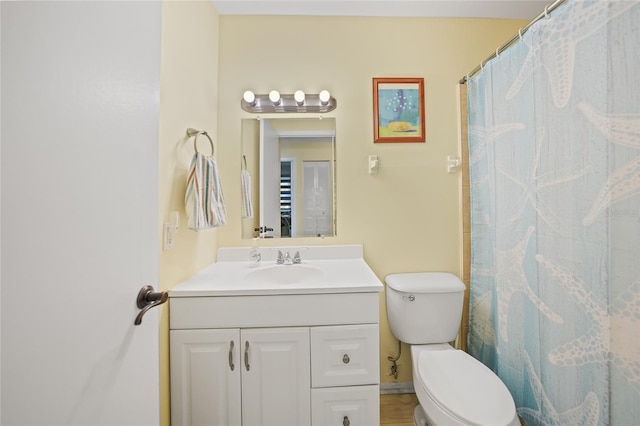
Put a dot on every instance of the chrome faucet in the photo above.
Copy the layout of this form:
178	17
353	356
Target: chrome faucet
286	259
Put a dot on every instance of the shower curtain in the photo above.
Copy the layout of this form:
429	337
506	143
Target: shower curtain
554	146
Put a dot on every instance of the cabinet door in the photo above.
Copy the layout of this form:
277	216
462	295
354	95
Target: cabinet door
276	384
205	377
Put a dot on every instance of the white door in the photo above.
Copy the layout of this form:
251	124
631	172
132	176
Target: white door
276	383
317	198
269	178
205	377
80	96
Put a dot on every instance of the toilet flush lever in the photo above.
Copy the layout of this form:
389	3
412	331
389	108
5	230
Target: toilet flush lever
410	297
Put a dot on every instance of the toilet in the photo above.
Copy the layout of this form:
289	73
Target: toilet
453	388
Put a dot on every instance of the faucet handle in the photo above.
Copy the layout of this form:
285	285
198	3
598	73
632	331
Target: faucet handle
296	257
280	258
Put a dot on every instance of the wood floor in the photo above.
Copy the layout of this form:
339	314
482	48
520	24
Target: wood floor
397	409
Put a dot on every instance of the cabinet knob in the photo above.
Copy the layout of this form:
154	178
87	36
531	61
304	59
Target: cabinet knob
346	360
345	421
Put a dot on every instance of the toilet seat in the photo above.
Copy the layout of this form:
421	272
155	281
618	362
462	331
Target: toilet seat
464	388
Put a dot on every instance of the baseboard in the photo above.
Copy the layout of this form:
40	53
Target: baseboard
404	387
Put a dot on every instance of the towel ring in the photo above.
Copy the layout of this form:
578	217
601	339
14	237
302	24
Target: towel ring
196	133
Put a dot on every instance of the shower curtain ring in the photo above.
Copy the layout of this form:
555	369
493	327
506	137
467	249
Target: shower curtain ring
498	53
546	11
520	33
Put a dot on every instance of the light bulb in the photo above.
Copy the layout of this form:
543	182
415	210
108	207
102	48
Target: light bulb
274	97
249	97
324	97
299	97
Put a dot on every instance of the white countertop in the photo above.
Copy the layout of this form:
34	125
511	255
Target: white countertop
337	269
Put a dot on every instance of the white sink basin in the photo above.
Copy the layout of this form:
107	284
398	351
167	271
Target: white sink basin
285	274
324	270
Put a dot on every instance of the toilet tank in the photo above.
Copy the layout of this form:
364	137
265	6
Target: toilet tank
424	307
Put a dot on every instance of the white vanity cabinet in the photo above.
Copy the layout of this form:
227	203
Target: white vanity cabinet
281	345
275	360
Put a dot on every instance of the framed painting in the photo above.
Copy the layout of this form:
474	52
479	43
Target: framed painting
398	110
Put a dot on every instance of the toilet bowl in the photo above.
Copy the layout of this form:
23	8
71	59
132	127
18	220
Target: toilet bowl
453	388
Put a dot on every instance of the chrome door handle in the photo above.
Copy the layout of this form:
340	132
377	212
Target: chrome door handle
147	299
345	421
246	355
231	366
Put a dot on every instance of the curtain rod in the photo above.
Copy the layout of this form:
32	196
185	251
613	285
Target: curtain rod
548	8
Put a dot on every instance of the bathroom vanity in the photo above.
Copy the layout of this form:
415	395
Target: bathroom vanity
277	344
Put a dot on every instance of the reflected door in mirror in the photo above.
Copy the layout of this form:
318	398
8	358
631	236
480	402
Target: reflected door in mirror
317	198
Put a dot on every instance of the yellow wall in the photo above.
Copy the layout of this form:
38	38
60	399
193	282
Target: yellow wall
188	98
407	215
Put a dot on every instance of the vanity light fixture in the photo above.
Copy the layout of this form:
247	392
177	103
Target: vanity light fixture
299	97
297	102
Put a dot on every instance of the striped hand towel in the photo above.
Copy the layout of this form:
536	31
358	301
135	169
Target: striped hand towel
247	205
204	202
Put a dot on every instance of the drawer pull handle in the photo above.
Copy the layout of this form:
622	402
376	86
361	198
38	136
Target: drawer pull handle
231	366
345	421
346	360
246	356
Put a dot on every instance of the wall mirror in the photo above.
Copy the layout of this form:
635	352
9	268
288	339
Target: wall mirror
291	162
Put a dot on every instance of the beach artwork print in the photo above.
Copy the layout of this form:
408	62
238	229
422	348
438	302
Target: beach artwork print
398	109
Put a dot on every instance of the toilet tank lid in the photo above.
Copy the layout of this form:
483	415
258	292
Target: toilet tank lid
425	282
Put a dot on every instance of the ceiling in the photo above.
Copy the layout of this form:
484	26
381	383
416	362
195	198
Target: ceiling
502	9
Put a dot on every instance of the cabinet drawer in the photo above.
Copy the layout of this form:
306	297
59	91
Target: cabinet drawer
353	406
345	355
